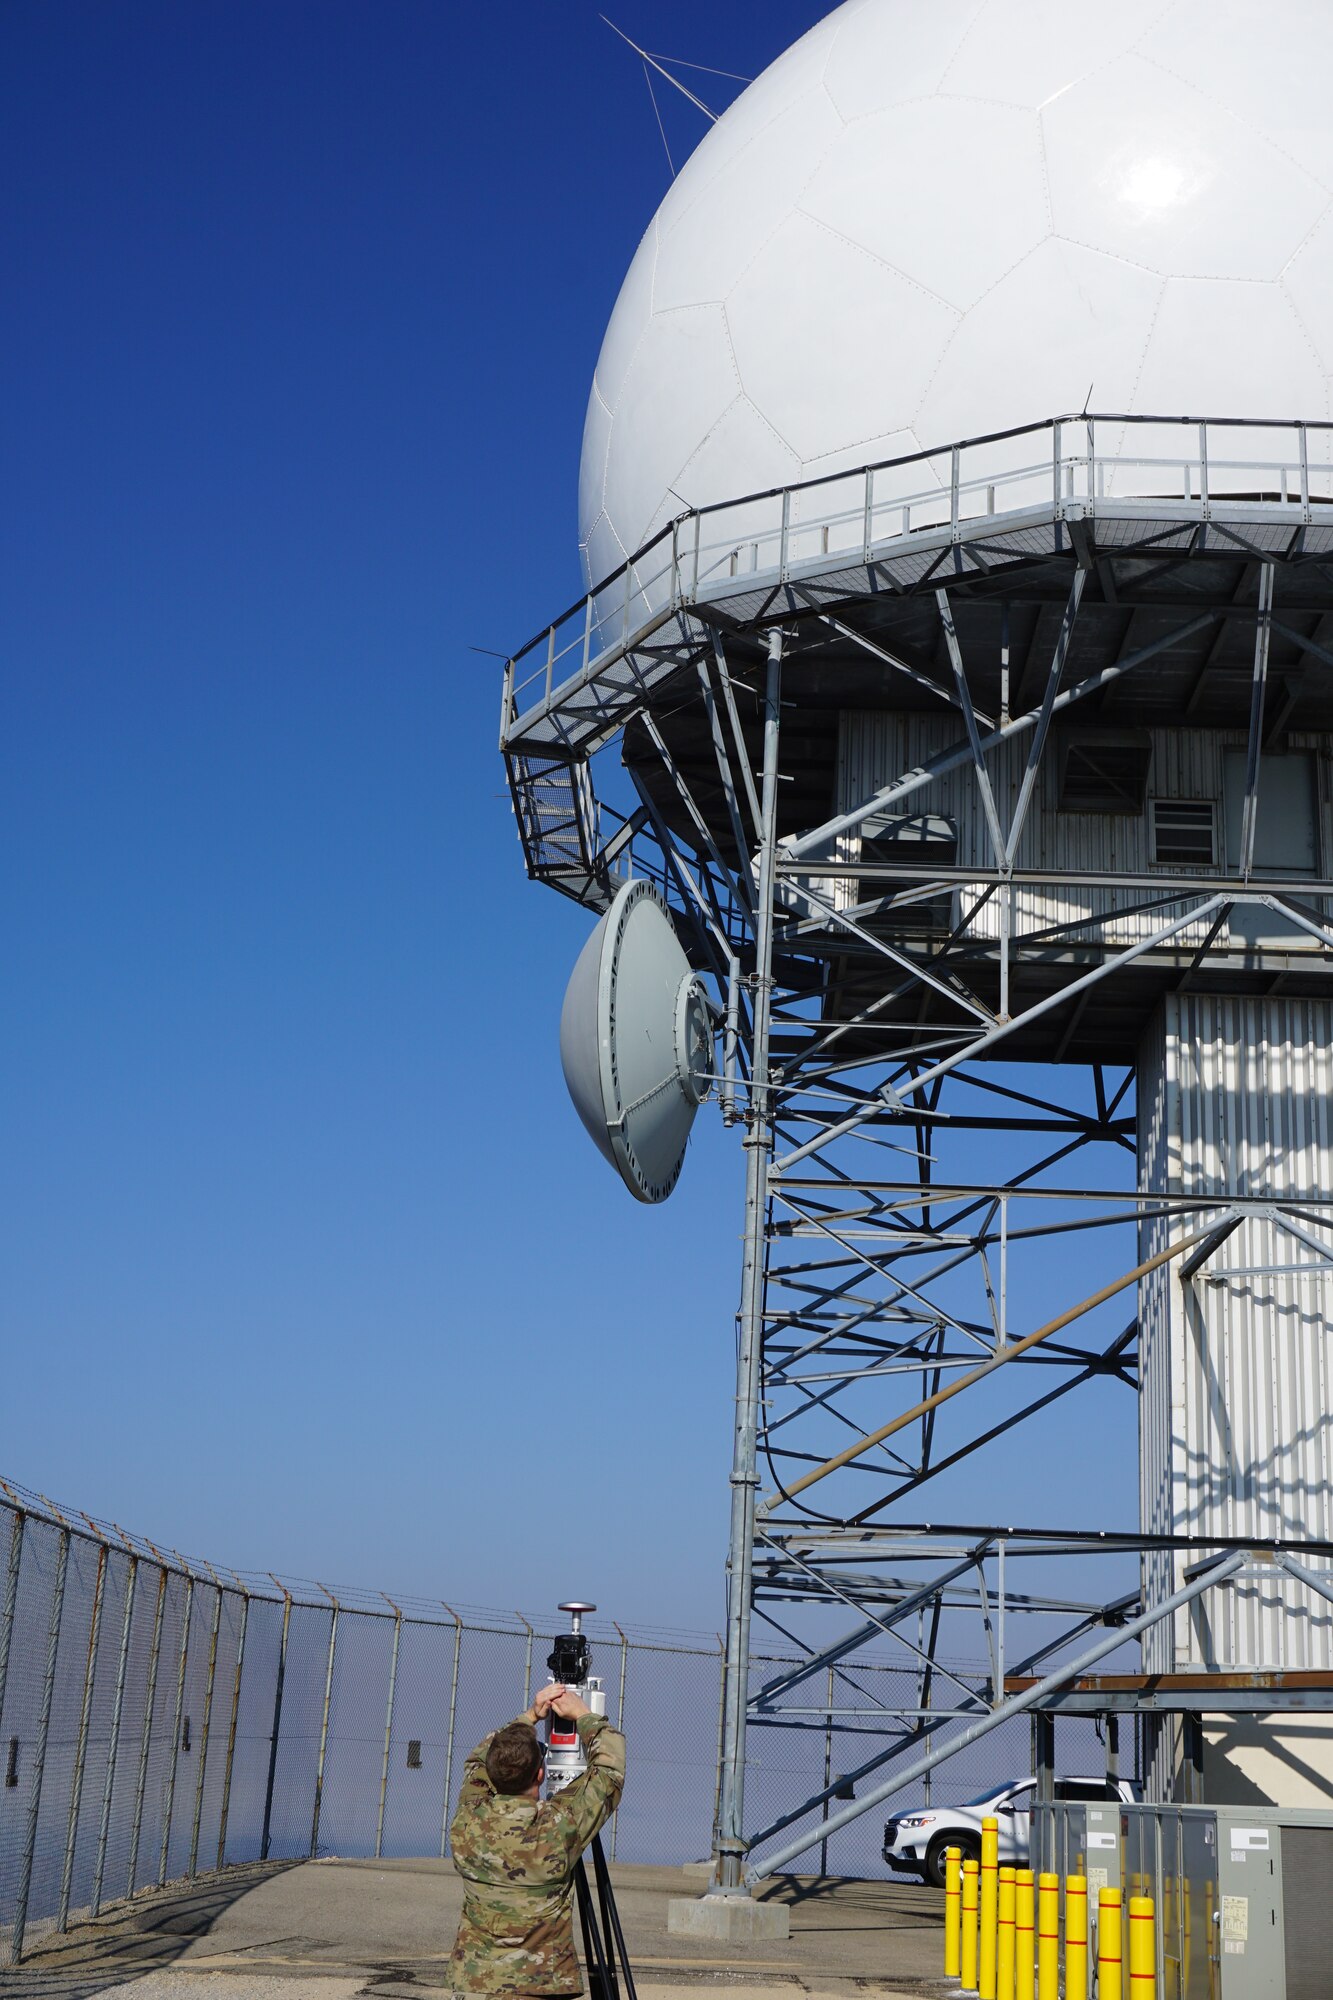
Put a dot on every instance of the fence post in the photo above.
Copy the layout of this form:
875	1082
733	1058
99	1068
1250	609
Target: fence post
81	1748
277	1718
113	1743
176	1730
225	1807
11	1597
828	1765
204	1728
39	1751
527	1660
324	1725
449	1746
620	1725
388	1722
154	1657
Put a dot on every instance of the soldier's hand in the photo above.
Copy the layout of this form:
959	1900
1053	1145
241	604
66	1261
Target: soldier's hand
567	1705
545	1700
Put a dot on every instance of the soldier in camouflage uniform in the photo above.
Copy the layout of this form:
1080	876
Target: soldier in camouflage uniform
516	1855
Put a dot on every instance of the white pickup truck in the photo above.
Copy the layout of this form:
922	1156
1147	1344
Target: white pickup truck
915	1842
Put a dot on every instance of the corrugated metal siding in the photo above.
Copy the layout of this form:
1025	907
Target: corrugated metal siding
877	747
1237	1097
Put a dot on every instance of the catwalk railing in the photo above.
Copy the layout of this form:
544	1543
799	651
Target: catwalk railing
1073	464
161	1718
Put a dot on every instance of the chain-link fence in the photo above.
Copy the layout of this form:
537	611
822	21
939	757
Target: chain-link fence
160	1718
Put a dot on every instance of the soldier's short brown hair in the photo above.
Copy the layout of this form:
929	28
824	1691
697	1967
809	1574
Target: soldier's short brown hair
514	1758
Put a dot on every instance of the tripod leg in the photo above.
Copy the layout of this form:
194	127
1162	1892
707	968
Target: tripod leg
601	1980
611	1915
609	1918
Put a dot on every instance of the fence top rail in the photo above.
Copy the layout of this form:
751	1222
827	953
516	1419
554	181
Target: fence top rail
307	1594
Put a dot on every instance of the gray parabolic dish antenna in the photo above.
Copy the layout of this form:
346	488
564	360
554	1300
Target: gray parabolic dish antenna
636	1041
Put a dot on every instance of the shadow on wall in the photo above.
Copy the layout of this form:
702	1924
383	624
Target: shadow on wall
134	1938
1269	1761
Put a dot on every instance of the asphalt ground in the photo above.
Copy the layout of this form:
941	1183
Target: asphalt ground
332	1930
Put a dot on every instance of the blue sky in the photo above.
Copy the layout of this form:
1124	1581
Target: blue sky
306	1262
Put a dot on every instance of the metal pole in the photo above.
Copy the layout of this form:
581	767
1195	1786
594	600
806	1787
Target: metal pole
324	1726
203	1731
527	1659
225	1807
828	1767
1258	685
181	1665
730	1039
39	1752
744	1479
927	1678
721	1728
388	1722
81	1748
620	1725
113	1743
449	1746
11	1597
277	1720
154	1656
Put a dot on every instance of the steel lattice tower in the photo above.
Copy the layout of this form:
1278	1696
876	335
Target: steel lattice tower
942	776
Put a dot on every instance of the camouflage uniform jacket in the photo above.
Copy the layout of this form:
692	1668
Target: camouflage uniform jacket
516	1857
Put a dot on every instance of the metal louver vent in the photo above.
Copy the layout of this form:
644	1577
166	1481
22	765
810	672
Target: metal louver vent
1184	832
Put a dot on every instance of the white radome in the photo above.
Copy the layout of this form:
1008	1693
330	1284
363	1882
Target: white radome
932	219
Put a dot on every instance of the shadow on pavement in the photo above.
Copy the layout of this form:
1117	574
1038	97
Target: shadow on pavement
131	1939
857	1902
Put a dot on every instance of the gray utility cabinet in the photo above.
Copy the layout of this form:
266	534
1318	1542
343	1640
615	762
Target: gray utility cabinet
1243	1894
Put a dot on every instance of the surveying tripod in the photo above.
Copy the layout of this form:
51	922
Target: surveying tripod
604	1951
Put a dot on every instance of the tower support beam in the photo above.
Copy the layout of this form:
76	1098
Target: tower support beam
729	1842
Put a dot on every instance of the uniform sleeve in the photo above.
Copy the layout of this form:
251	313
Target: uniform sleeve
584	1807
475	1783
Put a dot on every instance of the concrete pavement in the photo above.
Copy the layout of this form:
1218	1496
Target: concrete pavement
333	1929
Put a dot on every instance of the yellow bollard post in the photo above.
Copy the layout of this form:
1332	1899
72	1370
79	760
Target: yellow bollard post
967	1944
1076	1937
1110	1958
1025	1935
988	1908
953	1911
1004	1937
1142	1949
1048	1937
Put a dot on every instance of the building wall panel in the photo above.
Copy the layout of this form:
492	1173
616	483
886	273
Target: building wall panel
1236	1098
878	747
